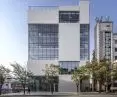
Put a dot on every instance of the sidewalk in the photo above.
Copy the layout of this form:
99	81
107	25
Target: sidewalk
58	94
41	93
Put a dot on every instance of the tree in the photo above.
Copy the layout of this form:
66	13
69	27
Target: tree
101	72
51	71
22	74
92	68
104	74
4	73
114	72
78	75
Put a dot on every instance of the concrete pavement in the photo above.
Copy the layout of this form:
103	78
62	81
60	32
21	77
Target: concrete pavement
41	94
62	94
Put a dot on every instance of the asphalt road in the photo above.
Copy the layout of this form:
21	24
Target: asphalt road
64	96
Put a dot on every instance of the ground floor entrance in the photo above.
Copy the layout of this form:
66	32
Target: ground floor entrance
40	83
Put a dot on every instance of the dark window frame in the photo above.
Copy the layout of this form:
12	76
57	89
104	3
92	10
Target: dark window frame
84	40
68	16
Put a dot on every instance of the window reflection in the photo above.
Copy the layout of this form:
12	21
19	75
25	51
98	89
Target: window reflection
43	41
84	41
67	67
68	16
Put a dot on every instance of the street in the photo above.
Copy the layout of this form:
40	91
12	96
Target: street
64	96
60	94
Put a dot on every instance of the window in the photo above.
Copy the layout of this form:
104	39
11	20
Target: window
43	41
68	16
107	25
67	67
115	41
115	49
108	45
115	57
6	84
40	83
84	41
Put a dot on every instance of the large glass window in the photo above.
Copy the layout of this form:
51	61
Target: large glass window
40	83
108	45
43	41
67	67
84	41
68	16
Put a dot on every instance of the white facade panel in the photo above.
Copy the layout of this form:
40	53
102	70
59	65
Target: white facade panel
43	15
37	66
84	11
66	84
103	26
69	42
69	8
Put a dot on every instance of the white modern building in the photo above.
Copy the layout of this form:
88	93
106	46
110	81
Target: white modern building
103	37
58	35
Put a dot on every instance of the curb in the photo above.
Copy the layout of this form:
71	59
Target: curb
34	95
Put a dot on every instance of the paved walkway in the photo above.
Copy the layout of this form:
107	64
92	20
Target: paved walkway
43	93
58	93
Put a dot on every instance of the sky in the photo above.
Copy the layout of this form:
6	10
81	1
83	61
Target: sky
14	29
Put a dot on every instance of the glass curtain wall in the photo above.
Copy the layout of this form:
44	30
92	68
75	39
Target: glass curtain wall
43	41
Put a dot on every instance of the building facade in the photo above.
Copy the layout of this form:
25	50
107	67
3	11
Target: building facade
59	36
103	36
114	46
